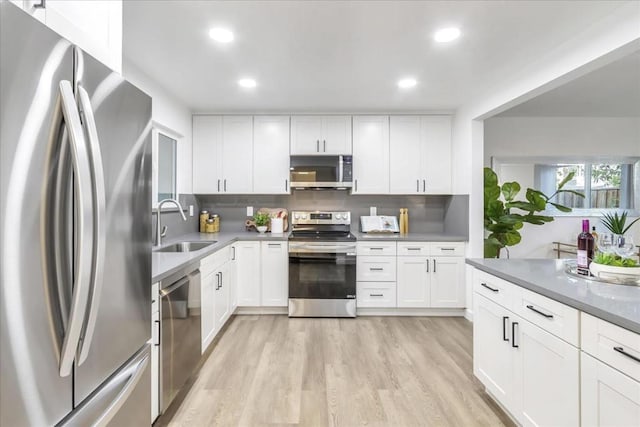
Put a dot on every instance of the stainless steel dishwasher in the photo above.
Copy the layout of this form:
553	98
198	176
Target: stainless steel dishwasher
179	331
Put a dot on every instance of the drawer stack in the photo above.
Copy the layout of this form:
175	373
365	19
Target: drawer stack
376	274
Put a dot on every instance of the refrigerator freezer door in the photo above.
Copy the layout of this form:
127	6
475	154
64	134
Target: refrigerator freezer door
123	400
119	317
34	300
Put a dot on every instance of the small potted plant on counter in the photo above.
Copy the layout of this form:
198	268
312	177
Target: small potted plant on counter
615	259
262	221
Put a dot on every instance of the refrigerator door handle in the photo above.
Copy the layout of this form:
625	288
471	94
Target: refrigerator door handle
85	232
136	371
99	210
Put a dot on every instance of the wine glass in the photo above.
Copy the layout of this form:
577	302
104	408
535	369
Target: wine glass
624	247
605	243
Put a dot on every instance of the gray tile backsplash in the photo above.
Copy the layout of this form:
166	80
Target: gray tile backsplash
435	214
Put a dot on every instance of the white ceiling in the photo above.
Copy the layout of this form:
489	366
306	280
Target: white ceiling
341	55
610	91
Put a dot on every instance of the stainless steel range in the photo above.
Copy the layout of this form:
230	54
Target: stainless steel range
322	265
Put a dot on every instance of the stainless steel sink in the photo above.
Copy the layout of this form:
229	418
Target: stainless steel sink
186	246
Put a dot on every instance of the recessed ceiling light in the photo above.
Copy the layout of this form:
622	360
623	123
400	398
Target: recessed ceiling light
221	35
247	83
445	35
407	83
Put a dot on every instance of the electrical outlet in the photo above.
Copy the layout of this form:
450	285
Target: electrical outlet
190	210
373	211
249	210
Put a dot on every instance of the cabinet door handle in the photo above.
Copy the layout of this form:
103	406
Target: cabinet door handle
513	335
218	186
424	185
356	185
434	265
233	253
541	313
324	145
225	185
376	295
41	5
217	281
630	356
221	281
417	185
490	288
427	265
286	185
159	334
505	320
376	269
317	145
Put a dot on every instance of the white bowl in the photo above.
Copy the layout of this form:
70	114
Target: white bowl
613	272
262	229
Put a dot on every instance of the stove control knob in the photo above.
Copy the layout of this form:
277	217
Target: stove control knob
339	216
304	216
296	216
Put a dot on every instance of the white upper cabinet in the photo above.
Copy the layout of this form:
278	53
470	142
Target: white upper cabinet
271	154
95	26
207	152
320	135
420	155
237	161
370	155
436	134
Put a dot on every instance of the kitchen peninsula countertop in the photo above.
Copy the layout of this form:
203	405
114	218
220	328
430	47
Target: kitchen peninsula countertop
617	304
163	264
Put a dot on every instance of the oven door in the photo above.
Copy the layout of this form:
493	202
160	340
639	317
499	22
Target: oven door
322	275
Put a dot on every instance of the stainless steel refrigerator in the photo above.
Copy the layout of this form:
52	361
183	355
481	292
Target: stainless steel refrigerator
75	242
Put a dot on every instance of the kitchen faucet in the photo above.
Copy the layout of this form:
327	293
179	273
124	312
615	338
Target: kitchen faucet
161	234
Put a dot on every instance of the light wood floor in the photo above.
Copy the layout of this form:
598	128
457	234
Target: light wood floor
375	371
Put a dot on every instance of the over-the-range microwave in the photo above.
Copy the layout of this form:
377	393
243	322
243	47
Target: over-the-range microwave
321	172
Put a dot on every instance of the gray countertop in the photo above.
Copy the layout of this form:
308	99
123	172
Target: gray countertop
618	304
410	237
163	264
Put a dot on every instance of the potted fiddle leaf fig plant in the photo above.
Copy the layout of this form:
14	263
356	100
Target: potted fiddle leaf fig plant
504	215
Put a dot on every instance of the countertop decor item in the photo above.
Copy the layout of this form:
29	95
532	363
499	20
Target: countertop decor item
501	224
261	221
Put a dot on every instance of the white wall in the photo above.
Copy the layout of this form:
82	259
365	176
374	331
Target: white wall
170	113
561	136
613	37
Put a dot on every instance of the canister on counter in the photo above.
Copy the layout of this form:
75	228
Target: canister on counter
209	227
204	216
216	223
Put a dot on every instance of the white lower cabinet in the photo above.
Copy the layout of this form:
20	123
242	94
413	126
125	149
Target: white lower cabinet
609	397
447	282
492	354
376	294
247	272
208	283
546	377
274	259
221	297
413	281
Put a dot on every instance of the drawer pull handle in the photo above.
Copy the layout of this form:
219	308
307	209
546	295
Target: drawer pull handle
413	249
630	356
505	321
490	288
274	245
513	335
447	249
376	249
376	268
376	295
535	310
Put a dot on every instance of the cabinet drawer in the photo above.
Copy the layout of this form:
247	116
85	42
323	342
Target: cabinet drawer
376	294
447	249
492	287
376	269
616	346
413	249
376	248
155	297
552	316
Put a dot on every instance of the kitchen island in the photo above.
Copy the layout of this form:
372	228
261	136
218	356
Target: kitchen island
555	349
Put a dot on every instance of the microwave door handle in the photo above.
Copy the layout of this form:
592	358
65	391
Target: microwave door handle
85	224
99	209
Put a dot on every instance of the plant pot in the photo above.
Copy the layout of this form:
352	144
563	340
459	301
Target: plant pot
262	229
613	272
